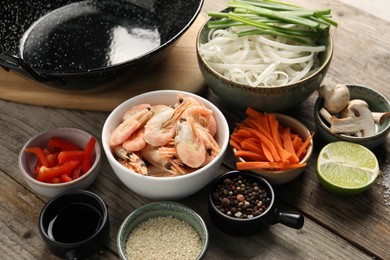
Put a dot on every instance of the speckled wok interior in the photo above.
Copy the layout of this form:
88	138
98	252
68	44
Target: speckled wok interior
61	37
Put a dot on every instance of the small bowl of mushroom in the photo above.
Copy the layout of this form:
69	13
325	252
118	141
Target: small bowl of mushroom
352	113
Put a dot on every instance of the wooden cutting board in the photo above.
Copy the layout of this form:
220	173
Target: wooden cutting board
178	71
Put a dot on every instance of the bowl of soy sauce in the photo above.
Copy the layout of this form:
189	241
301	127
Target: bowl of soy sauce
74	224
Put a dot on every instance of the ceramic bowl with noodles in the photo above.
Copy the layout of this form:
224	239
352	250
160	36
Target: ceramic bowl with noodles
170	165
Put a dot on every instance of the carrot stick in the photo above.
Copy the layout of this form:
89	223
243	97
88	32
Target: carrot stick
304	146
253	140
260	139
253	113
274	125
251	147
268	153
297	142
288	145
250	155
234	144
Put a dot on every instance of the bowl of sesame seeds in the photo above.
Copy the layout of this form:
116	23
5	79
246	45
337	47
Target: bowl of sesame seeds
163	230
243	203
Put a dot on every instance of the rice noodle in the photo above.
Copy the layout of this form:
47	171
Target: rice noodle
258	60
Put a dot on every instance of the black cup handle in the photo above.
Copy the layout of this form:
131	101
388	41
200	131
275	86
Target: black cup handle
16	63
293	220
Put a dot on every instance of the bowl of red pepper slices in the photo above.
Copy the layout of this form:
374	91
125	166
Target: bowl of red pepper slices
60	159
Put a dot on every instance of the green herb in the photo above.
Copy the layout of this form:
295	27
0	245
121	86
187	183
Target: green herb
274	18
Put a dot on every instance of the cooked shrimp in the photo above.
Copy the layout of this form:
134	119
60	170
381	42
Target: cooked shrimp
158	108
131	160
202	116
158	172
135	142
130	125
135	109
157	132
212	147
163	159
161	128
189	144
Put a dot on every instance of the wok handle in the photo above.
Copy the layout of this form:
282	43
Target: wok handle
12	62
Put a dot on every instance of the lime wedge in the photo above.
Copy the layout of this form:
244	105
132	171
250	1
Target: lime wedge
347	168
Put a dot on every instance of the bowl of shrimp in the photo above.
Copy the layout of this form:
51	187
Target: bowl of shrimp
266	72
165	144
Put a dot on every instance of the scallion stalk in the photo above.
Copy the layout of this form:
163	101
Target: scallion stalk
274	17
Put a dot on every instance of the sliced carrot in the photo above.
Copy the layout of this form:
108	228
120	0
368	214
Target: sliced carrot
268	153
234	144
297	143
304	146
274	126
260	139
287	143
252	147
250	155
253	113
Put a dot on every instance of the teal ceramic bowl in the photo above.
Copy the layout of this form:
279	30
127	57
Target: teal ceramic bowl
377	103
158	209
275	99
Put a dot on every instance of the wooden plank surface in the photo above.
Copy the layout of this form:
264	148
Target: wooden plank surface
277	242
335	227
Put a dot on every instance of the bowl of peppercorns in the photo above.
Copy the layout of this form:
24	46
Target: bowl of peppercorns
243	203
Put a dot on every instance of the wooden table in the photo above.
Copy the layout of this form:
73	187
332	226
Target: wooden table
335	227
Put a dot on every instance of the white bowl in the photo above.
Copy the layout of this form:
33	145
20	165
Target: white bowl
27	162
164	188
281	177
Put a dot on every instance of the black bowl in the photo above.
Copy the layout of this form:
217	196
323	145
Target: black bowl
233	224
93	44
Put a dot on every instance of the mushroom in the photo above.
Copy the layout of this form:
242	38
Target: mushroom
336	98
380	117
355	119
347	111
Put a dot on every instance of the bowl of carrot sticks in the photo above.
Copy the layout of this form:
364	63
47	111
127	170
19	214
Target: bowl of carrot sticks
273	145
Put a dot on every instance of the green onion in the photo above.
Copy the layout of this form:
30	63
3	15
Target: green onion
274	18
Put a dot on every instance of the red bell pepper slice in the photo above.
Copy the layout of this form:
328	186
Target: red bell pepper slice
71	155
39	153
55	180
65	178
52	158
45	174
89	148
37	166
57	142
76	172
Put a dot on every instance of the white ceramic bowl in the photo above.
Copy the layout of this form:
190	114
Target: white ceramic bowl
164	188
27	162
281	177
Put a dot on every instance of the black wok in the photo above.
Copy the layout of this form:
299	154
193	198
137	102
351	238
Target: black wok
90	45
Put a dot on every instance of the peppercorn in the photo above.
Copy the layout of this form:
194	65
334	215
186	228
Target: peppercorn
241	197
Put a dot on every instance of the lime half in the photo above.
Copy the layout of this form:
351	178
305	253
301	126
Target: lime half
347	168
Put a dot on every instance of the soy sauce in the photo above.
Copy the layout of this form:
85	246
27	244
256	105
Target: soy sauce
74	223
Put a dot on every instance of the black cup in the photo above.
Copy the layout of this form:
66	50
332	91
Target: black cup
248	226
74	224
